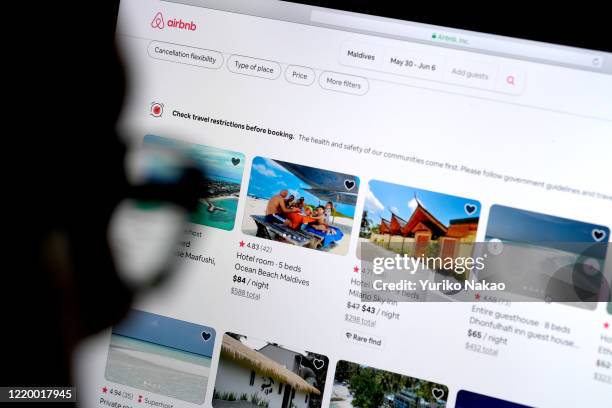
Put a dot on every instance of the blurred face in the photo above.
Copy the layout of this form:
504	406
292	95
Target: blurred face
319	211
284	193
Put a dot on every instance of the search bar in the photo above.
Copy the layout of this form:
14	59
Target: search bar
527	49
489	76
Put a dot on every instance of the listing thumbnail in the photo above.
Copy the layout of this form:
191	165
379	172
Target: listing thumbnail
466	399
405	220
257	373
361	386
300	205
161	355
543	257
222	170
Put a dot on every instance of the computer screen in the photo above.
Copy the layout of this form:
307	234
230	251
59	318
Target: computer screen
395	214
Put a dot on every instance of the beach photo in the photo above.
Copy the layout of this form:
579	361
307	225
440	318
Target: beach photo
222	170
161	355
257	373
360	386
409	221
300	205
545	257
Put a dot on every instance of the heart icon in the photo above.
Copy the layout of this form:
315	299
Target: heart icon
598	234
235	161
438	393
349	184
206	335
318	363
469	209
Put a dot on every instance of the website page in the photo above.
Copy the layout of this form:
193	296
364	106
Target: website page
386	223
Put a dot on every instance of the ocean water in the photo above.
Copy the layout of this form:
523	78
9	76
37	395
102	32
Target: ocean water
222	178
218	219
158	369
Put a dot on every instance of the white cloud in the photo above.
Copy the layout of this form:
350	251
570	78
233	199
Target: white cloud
372	203
264	171
412	204
274	165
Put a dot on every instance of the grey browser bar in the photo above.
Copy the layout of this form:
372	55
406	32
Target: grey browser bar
463	40
527	50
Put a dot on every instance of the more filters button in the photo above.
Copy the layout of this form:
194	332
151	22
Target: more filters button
334	81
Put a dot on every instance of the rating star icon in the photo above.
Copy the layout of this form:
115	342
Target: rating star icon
477	296
241	243
104	390
606	325
356	269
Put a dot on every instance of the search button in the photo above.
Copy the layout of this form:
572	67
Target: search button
511	80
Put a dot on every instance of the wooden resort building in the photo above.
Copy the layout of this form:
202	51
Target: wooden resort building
414	235
384	227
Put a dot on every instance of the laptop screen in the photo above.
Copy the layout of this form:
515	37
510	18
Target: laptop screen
395	214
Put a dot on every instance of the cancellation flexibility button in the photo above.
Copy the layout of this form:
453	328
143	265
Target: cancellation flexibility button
239	64
334	81
185	55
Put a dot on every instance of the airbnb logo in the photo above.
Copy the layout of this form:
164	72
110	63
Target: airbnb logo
158	22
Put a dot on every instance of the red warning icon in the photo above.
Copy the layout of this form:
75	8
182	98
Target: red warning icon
157	109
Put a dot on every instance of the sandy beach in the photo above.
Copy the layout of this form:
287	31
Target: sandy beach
157	374
255	206
163	361
223	197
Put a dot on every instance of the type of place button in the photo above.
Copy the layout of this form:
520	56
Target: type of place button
239	64
299	75
185	55
351	84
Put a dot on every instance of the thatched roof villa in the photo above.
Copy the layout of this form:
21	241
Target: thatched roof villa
243	370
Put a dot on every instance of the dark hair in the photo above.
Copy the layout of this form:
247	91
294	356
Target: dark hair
321	207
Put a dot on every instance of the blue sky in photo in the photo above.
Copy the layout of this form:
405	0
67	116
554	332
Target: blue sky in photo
386	197
167	332
268	178
511	224
216	163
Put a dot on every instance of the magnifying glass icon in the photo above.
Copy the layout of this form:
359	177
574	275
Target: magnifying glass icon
510	80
